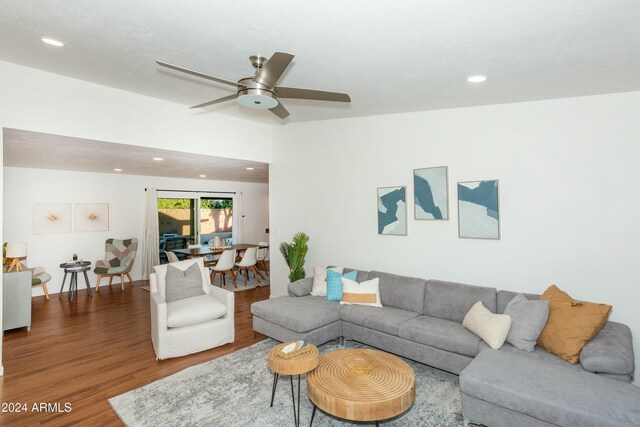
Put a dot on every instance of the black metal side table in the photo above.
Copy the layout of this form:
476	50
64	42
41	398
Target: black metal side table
74	268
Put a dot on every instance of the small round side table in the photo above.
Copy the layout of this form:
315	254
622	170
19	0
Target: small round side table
296	365
74	268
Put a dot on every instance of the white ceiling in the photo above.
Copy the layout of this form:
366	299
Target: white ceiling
27	149
390	56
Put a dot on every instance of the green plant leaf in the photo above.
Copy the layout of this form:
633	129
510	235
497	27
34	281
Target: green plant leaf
294	254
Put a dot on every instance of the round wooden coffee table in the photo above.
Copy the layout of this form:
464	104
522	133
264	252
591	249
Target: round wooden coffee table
296	365
361	385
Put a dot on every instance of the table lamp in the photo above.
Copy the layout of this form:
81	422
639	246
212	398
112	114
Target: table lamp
16	251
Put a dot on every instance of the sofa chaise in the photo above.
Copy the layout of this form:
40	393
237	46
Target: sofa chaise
422	320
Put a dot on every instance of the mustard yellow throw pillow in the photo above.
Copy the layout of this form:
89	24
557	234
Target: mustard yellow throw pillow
571	325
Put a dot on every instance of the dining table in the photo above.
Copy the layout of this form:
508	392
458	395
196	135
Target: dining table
205	250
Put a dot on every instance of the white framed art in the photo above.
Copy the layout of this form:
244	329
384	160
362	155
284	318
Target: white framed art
91	217
51	218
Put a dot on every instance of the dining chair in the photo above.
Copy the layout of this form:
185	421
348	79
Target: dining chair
171	257
224	265
248	262
209	260
262	256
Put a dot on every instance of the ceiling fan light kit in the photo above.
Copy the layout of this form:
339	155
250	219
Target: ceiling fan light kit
255	95
260	91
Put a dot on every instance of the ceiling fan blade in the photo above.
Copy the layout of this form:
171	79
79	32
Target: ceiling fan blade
317	95
216	101
197	74
271	72
279	111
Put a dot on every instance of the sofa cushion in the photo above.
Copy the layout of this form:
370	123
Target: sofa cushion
452	301
492	328
527	321
300	288
549	392
611	351
319	288
571	325
194	310
362	275
505	297
299	314
440	333
402	292
364	293
383	319
335	285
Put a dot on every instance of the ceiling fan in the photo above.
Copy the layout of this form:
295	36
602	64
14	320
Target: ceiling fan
261	91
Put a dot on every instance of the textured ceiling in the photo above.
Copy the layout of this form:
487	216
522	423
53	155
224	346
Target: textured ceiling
390	56
44	151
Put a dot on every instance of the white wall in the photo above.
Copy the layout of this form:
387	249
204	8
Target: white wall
569	172
45	102
126	197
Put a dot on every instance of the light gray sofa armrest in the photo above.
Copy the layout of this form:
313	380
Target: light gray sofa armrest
611	351
301	287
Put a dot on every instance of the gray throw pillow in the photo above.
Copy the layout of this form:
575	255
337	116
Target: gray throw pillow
182	284
528	319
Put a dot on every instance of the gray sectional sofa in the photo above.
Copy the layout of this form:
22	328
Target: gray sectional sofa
422	320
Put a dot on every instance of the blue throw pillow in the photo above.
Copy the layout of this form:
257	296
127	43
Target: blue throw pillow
334	284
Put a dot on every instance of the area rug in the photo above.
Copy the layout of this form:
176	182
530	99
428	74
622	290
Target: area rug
235	390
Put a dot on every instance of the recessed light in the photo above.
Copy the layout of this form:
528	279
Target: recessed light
158	159
249	168
52	42
202	176
476	79
117	170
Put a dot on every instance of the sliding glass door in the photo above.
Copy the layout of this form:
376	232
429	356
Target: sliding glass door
177	222
188	218
216	218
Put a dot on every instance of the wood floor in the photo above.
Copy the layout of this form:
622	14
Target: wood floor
84	352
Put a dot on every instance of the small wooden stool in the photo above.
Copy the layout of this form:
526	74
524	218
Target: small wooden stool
296	365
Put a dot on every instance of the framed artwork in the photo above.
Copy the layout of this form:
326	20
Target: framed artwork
478	210
392	211
51	218
92	217
430	193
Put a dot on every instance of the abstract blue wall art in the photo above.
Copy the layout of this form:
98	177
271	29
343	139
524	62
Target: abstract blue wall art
431	196
392	211
478	210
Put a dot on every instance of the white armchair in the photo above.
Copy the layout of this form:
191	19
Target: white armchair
189	325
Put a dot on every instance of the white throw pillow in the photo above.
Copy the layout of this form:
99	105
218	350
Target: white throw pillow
365	293
319	288
492	328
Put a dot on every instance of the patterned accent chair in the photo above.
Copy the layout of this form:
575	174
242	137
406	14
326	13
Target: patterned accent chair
119	258
39	277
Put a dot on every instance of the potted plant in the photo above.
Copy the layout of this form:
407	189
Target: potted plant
75	257
294	254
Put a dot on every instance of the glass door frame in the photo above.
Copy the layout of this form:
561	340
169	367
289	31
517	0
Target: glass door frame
196	196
